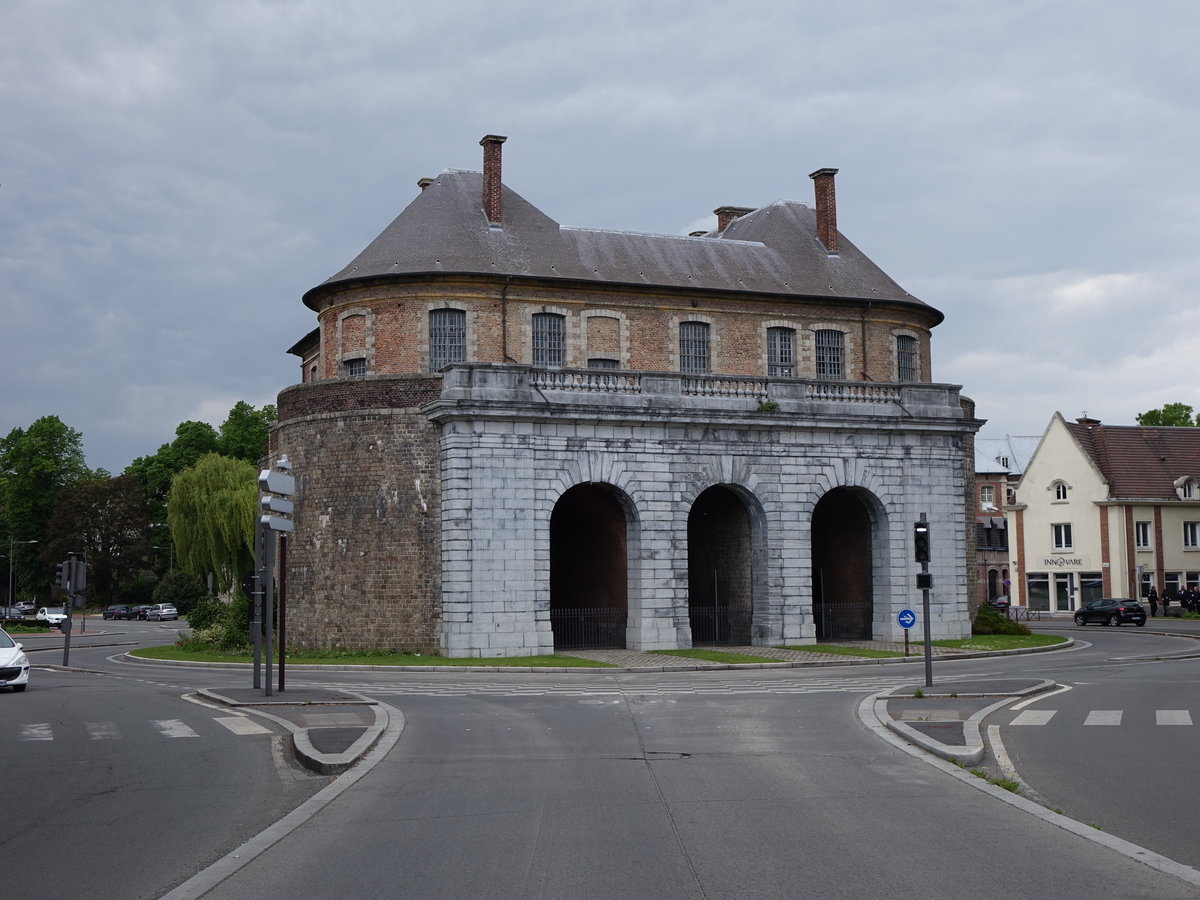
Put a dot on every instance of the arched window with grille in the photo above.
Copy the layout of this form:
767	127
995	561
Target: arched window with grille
447	337
831	354
781	352
693	348
906	357
549	339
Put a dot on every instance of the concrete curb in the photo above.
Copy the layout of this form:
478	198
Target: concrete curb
972	751
592	670
867	715
306	753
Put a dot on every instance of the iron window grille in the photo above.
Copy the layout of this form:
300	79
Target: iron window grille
831	354
781	354
598	362
447	337
906	358
693	347
549	338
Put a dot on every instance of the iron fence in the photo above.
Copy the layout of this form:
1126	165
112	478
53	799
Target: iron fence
720	625
597	628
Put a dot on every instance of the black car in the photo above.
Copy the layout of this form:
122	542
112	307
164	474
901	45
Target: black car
115	612
1111	611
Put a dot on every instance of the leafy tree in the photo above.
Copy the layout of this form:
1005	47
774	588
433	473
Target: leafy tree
244	432
36	464
192	441
107	520
1171	414
181	589
211	510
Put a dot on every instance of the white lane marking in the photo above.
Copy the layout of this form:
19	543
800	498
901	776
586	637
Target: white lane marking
1172	717
39	732
1034	717
1104	717
173	728
103	731
1038	697
242	725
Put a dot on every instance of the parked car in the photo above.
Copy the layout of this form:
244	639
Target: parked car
11	612
14	665
117	611
162	611
27	607
1000	604
1111	611
51	617
138	611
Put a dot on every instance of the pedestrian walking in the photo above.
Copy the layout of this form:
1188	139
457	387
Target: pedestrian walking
1152	597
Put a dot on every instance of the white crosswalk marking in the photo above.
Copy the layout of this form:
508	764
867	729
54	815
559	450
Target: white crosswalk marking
1172	717
1034	717
242	725
173	728
103	731
38	732
1104	717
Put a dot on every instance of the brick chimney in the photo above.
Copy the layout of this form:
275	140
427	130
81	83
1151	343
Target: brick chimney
491	176
826	208
726	214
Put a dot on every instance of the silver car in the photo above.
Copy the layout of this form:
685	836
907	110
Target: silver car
162	611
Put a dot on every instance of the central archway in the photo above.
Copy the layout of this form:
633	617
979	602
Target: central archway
720	568
843	605
588	569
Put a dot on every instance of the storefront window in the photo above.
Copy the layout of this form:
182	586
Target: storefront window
1037	587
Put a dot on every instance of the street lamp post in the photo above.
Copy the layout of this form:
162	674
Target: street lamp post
12	543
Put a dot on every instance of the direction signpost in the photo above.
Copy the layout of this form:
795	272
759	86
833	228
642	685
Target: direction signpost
907	619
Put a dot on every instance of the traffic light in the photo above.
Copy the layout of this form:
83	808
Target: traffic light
921	541
79	575
62	574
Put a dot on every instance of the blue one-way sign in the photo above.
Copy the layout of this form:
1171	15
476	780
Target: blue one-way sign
907	618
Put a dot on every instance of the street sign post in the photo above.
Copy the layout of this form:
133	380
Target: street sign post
277	485
907	619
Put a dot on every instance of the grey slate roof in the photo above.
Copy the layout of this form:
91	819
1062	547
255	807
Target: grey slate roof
773	250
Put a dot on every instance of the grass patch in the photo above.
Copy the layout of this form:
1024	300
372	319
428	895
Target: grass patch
1003	641
716	656
839	650
12	626
366	658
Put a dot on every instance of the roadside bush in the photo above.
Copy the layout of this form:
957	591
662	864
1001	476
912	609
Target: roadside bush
182	589
207	612
989	621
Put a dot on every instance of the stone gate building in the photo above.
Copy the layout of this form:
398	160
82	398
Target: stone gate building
512	436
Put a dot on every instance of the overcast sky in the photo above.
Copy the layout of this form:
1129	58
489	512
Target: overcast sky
175	175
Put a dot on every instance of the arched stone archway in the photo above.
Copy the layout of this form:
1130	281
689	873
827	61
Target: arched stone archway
588	569
721	568
842	561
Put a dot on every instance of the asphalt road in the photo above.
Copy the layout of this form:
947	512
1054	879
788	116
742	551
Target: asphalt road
1120	748
710	784
114	786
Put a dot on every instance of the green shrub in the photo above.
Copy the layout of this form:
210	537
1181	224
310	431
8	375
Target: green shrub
138	591
207	612
989	621
179	588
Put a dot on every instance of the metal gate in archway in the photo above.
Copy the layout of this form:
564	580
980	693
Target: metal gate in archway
588	570
843	606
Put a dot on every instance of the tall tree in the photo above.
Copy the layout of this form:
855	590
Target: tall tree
244	432
211	510
1171	414
107	520
192	441
35	465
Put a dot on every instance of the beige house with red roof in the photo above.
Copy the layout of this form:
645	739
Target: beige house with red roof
1105	511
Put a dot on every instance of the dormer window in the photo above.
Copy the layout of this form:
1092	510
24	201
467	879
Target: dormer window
1060	492
1185	488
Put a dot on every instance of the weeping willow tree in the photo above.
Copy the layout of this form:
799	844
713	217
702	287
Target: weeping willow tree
211	510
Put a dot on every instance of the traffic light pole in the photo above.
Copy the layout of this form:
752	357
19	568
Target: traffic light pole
921	553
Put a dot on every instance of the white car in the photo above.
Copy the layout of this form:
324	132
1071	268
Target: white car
14	665
51	617
161	611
